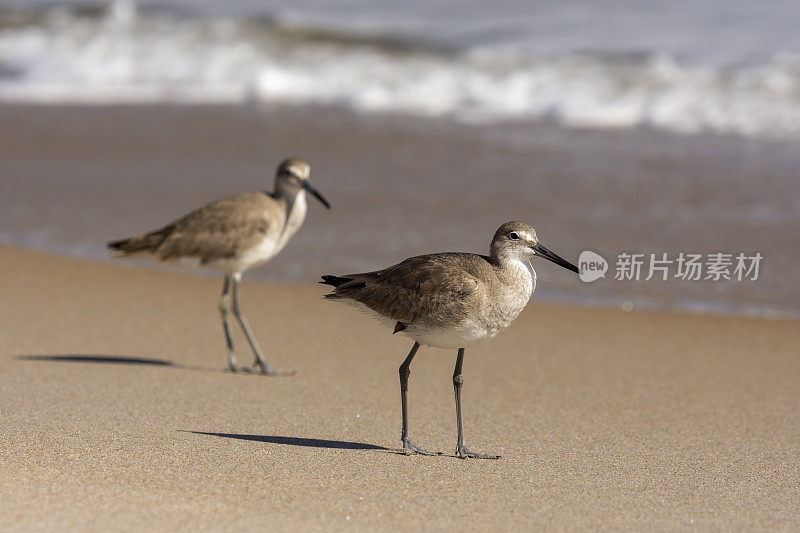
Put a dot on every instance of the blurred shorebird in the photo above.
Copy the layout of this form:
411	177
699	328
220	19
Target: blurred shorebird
450	300
232	235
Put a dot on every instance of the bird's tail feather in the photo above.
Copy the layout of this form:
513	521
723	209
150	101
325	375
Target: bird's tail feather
148	242
334	281
117	246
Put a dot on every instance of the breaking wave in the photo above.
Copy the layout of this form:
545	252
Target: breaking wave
121	54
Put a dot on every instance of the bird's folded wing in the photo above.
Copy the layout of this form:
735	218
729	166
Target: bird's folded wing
221	229
414	289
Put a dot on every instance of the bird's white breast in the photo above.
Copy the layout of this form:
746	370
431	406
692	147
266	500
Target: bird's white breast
262	252
498	309
271	244
295	216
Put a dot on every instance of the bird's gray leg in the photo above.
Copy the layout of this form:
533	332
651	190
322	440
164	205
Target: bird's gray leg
458	381
224	311
237	312
405	371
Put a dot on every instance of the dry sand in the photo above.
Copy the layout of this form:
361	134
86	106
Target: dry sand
604	419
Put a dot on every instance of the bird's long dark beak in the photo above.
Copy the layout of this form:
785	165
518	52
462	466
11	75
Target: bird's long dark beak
314	192
541	251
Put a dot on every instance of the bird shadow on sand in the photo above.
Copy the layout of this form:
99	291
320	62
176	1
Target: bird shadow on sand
114	359
301	441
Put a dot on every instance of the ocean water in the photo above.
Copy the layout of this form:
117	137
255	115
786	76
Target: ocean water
611	125
689	66
75	177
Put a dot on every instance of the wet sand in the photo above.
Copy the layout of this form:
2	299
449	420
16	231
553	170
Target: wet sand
115	413
75	177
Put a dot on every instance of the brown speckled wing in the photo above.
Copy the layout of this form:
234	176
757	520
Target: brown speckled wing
218	230
223	228
419	288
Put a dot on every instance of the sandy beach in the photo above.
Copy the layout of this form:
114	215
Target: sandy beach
115	412
654	146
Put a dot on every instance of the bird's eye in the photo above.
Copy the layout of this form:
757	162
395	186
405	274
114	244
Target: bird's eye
513	236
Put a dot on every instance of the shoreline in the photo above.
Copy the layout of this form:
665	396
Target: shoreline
687	308
76	177
116	409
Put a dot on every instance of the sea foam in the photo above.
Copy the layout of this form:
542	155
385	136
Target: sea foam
66	55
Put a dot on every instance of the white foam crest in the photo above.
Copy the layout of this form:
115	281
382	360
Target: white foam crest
129	57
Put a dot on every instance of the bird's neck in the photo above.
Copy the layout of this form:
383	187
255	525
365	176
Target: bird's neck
502	258
295	213
513	271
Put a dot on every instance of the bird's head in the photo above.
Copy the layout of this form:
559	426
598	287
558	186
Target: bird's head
292	177
517	240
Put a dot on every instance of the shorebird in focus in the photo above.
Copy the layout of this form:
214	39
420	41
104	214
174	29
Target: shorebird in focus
232	235
450	300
